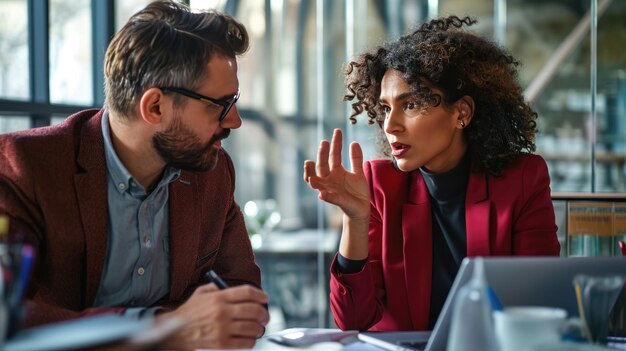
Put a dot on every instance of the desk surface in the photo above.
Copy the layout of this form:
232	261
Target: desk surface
265	344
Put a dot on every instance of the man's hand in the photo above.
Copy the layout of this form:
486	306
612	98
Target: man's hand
222	319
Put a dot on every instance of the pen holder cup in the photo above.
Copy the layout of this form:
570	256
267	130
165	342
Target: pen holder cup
11	308
14	319
599	299
4	316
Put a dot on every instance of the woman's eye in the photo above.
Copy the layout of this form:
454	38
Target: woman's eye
386	109
411	105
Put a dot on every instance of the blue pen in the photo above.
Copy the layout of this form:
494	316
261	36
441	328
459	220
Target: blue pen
22	256
28	255
211	275
493	299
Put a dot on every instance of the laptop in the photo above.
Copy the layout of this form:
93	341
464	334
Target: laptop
517	281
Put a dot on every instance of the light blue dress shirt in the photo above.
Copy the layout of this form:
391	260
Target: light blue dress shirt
137	266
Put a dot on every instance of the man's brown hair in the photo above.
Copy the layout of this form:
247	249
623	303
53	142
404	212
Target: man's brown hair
166	44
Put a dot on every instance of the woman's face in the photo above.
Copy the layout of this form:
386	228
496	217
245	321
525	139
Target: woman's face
429	137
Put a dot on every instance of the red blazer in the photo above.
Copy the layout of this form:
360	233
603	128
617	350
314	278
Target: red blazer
53	186
509	215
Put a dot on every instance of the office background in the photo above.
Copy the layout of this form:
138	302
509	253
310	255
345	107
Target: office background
573	71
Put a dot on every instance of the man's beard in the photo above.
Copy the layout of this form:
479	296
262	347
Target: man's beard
181	148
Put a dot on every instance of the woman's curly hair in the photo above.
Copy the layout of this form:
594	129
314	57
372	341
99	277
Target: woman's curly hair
459	63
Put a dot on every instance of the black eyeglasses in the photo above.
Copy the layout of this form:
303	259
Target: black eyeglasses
226	104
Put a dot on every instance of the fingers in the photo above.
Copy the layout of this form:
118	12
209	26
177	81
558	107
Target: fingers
217	338
309	170
243	293
206	288
335	149
236	294
328	160
246	329
356	158
322	159
328	157
228	318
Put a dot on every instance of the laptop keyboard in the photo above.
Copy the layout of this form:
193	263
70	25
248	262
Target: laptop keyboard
414	345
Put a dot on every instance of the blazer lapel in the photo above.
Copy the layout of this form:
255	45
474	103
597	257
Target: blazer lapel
184	235
417	235
91	192
478	216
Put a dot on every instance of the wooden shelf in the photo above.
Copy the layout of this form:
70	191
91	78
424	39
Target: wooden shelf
588	196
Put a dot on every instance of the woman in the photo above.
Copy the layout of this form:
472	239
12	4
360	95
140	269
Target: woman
462	181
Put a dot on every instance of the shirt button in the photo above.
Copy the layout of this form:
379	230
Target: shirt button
141	271
122	186
146	240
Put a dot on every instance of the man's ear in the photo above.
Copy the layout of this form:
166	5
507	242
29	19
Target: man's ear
151	106
465	107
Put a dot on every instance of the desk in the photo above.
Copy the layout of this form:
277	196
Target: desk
264	344
293	277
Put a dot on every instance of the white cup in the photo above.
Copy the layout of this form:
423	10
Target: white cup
521	328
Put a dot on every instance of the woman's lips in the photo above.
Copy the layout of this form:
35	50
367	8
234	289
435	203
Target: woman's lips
398	149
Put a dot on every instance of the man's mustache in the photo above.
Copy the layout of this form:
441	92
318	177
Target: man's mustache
223	135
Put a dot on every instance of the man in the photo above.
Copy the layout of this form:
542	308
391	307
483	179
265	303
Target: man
129	206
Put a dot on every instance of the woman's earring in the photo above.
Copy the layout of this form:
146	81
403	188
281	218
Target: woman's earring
462	123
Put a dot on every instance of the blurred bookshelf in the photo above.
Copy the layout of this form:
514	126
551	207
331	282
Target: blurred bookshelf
590	224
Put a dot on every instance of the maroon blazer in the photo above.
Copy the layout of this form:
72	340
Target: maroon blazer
53	186
509	215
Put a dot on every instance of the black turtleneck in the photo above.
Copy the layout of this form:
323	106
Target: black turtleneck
447	197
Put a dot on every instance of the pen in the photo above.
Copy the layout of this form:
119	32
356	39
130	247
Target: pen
212	276
28	255
581	311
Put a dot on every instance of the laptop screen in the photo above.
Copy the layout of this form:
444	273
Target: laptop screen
518	281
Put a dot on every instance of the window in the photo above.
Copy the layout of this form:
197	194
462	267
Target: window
14	123
14	73
71	75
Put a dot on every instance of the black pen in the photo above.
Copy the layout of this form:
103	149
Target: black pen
212	276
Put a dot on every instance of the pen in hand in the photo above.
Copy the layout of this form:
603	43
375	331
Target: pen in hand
212	276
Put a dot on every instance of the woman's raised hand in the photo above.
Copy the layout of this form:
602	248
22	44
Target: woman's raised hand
336	185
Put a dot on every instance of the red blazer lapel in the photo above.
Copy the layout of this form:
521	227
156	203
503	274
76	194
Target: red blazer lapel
417	235
478	216
91	191
184	235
